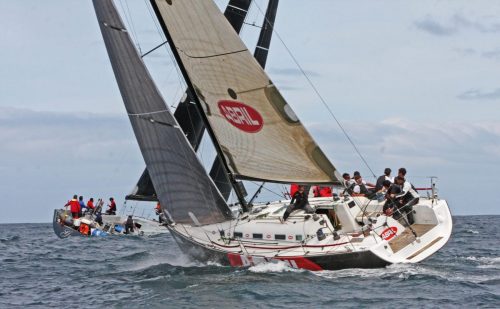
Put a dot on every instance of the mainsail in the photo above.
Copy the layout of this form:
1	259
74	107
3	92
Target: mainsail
256	130
189	119
180	180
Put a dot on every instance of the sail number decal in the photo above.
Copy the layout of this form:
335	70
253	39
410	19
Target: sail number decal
389	233
242	116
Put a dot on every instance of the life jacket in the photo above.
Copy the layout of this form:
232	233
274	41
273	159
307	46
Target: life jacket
90	205
84	229
325	191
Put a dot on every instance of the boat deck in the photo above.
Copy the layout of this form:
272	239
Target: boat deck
407	237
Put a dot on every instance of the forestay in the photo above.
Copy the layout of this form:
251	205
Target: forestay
258	132
180	180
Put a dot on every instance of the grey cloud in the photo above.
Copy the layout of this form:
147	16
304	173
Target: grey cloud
428	24
422	144
455	24
476	94
492	54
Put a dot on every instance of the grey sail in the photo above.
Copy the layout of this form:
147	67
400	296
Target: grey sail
144	189
218	172
184	189
192	124
190	121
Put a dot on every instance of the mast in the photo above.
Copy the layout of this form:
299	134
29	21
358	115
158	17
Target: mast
177	57
266	33
217	172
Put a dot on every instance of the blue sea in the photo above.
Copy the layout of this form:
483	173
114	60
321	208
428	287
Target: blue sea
39	270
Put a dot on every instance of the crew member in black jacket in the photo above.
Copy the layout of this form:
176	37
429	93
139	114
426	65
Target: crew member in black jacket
299	201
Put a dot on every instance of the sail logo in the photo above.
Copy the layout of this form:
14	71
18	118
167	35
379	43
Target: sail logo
242	116
389	233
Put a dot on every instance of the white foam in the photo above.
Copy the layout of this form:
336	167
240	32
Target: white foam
273	267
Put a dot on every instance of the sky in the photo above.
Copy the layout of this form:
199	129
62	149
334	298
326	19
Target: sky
415	84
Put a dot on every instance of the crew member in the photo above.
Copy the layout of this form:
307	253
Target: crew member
158	212
83	207
299	201
90	204
129	225
380	181
111	207
407	198
74	207
359	188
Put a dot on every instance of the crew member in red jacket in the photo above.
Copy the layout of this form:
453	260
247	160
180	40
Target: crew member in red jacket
112	207
74	206
90	204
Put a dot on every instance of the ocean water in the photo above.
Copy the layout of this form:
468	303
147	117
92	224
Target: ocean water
39	270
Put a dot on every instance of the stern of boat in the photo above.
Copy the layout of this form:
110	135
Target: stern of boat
430	232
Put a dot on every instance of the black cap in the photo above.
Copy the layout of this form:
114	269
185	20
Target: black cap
356	173
387	171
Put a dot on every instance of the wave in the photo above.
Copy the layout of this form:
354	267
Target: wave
273	267
11	239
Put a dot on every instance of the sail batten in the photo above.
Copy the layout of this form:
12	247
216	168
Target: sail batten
179	178
258	133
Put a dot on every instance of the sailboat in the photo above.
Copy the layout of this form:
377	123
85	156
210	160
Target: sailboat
257	136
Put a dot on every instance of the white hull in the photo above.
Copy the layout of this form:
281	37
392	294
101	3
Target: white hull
366	238
63	225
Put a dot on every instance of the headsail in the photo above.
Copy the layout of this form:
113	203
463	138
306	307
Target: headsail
218	171
255	128
183	187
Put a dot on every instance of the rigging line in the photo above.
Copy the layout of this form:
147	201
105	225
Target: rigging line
152	50
253	25
320	97
255	183
130	23
162	36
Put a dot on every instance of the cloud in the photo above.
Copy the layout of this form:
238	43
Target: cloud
52	137
450	143
492	54
428	24
454	25
476	94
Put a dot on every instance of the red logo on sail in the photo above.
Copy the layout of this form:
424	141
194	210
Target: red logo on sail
389	233
242	116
